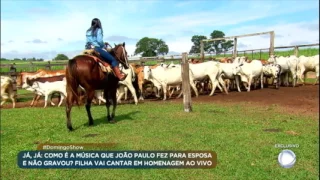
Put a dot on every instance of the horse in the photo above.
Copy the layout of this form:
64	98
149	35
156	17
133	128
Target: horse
84	70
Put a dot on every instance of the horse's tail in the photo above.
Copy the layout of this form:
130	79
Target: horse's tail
72	83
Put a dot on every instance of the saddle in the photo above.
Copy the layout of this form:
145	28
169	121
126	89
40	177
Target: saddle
105	67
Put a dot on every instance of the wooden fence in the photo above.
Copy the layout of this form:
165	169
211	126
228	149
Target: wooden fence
32	67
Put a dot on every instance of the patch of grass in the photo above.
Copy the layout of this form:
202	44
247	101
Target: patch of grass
237	133
265	55
23	91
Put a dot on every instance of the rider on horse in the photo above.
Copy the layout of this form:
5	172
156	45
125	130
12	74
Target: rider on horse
95	41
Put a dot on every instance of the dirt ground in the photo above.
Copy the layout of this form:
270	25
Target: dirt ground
293	100
296	100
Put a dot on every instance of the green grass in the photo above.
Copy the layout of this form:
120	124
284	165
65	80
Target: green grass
25	66
235	132
23	91
265	55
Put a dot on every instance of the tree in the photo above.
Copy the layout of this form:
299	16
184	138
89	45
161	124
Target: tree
196	39
151	47
215	44
61	57
226	46
162	47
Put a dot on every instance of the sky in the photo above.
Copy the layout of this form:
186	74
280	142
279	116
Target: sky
43	29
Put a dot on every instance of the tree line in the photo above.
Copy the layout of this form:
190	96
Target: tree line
153	47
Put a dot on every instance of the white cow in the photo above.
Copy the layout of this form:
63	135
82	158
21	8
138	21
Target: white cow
172	88
157	87
249	71
209	69
307	64
239	60
7	90
128	82
47	88
203	70
100	96
288	64
167	76
272	71
227	70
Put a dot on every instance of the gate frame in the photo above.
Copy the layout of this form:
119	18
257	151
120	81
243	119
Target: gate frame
271	51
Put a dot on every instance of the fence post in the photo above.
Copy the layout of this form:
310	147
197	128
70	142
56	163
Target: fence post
251	54
48	67
13	75
271	51
260	54
186	83
31	66
13	68
296	51
201	51
235	48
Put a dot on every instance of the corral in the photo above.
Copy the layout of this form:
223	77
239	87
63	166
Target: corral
301	99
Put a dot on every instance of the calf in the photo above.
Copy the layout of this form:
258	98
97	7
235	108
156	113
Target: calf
7	90
29	83
47	88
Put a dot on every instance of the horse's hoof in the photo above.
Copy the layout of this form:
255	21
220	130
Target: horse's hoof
112	121
70	129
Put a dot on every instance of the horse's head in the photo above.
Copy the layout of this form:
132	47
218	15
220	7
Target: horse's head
120	53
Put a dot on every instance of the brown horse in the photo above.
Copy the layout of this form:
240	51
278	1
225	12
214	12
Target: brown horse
83	70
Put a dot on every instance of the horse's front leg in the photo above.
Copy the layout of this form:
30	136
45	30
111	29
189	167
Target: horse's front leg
90	95
114	105
108	104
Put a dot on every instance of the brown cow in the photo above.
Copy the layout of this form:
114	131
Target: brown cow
226	60
194	61
23	76
138	69
264	62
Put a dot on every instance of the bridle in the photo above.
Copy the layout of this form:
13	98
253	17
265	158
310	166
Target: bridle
118	56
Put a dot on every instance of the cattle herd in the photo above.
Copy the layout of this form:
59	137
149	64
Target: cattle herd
164	79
